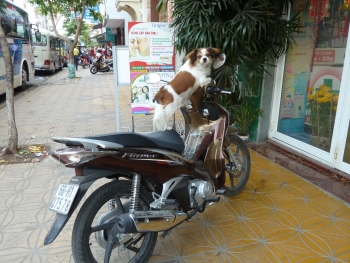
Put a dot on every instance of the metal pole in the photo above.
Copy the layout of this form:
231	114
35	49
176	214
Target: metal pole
115	72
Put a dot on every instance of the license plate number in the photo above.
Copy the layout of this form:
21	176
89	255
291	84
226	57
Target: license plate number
64	198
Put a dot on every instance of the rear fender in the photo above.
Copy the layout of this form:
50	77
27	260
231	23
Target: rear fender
84	182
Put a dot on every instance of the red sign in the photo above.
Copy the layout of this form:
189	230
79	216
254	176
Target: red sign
327	56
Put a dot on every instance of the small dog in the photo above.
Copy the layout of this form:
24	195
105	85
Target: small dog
192	75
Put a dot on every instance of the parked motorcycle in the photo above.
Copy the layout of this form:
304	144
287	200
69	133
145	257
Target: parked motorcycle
101	65
157	181
84	60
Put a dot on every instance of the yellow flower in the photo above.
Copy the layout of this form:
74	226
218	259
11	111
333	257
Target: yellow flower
311	89
322	99
335	98
311	97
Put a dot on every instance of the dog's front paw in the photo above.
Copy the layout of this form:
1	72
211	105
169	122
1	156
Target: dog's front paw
207	81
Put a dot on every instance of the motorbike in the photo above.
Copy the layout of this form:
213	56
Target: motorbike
101	65
84	60
156	180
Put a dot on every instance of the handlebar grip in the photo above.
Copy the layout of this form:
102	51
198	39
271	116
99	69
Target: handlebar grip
212	90
226	92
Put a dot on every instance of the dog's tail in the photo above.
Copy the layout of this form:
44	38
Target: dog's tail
159	118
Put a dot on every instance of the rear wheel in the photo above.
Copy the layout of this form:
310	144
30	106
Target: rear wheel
24	80
103	206
237	164
93	69
54	69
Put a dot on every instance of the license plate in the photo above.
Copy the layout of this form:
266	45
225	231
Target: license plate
64	198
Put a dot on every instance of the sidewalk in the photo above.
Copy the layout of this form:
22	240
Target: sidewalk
279	217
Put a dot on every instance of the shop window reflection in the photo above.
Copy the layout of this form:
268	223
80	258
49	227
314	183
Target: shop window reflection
313	72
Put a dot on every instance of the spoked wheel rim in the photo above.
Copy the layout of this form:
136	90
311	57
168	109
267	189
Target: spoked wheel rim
127	245
237	170
93	228
233	173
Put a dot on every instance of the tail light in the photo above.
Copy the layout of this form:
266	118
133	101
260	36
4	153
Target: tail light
47	62
78	172
73	157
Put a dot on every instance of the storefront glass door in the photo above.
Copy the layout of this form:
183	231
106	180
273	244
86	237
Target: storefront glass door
314	82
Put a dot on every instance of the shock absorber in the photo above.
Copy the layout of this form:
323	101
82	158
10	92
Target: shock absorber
135	189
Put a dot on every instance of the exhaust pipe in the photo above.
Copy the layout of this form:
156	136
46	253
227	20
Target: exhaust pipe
149	221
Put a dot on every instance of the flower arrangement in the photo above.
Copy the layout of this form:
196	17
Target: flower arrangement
321	107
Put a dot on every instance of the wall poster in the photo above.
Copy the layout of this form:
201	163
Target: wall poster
150	50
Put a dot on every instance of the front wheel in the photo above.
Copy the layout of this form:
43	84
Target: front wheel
93	69
103	206
237	164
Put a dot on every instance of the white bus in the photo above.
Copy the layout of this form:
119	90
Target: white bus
50	52
17	28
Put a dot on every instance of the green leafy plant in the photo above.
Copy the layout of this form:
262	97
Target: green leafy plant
244	115
249	32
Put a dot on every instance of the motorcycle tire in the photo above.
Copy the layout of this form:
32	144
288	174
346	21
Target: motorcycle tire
86	246
84	65
94	69
237	179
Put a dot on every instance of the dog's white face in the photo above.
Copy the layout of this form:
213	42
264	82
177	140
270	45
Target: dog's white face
204	57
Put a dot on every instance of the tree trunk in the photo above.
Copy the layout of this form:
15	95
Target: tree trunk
12	129
79	26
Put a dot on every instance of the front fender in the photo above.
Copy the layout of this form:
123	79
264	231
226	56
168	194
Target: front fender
230	130
84	182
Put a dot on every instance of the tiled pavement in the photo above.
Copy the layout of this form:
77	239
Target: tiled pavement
279	217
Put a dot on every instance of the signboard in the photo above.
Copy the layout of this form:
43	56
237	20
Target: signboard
87	15
150	50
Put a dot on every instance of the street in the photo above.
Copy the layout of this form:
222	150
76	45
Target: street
40	78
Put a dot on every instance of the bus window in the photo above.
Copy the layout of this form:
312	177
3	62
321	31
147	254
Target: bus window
42	42
13	22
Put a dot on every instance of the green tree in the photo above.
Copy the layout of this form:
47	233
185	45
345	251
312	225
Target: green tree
12	128
70	26
250	32
54	8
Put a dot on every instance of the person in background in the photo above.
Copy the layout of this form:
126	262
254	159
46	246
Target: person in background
76	57
92	52
103	51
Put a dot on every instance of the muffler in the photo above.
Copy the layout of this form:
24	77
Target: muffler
149	221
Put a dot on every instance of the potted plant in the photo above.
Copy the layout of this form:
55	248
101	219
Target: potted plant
321	108
244	115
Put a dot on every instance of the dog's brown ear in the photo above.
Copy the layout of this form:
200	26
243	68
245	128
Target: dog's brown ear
192	56
214	51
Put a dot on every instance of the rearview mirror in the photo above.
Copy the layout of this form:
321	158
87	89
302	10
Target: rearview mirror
152	78
219	61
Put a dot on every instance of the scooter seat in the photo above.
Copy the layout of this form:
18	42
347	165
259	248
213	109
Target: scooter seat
108	60
168	140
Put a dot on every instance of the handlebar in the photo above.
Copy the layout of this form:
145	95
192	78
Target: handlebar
213	90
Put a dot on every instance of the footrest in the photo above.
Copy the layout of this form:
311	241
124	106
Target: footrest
220	191
212	199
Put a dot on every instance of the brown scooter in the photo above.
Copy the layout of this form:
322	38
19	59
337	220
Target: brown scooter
157	181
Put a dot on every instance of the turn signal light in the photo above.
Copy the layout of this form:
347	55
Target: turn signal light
78	172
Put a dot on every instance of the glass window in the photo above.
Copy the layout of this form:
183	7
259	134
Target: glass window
313	71
42	42
14	22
